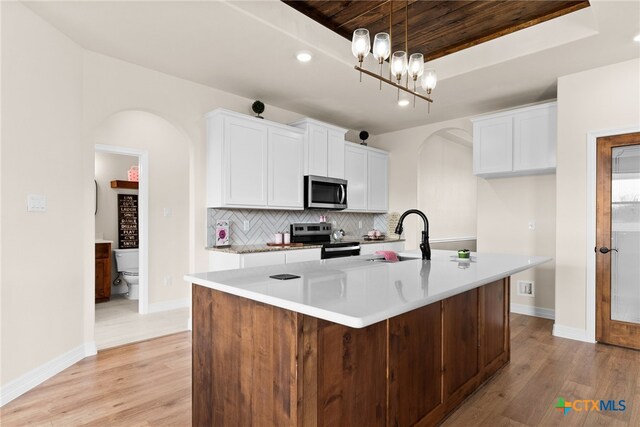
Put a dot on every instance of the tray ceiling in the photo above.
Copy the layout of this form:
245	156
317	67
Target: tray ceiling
436	28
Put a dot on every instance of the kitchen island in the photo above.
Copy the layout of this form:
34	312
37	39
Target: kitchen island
351	341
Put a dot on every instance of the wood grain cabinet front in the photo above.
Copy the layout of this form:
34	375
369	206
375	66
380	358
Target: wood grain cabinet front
255	364
103	272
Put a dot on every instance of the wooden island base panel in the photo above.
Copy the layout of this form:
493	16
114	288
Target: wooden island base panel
259	365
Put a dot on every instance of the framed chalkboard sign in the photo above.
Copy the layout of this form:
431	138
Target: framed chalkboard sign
128	221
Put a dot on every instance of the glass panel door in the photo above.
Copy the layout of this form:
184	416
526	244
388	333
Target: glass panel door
625	233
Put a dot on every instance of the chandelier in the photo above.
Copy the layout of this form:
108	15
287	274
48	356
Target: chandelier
399	66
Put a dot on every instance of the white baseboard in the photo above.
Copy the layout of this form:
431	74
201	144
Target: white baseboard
529	310
37	376
175	304
90	349
571	333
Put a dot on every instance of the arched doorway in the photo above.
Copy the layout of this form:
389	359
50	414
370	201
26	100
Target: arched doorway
447	188
165	210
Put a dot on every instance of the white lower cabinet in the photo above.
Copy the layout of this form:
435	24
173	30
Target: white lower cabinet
219	261
262	259
302	255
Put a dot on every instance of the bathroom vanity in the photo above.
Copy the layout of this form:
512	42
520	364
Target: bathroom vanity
351	341
103	270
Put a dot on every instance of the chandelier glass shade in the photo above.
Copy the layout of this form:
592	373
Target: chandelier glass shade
381	47
360	44
429	80
399	64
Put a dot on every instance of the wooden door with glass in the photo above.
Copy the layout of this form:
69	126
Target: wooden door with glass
618	240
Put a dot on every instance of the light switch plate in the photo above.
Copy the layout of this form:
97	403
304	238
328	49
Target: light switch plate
36	203
167	211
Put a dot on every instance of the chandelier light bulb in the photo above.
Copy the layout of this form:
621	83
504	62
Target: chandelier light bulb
360	44
381	47
399	64
429	80
416	65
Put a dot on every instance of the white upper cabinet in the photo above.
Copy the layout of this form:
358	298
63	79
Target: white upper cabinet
492	145
324	148
377	182
285	169
515	142
367	173
335	151
253	163
245	157
534	139
318	147
355	171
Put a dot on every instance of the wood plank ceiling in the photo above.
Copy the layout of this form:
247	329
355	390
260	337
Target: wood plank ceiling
436	27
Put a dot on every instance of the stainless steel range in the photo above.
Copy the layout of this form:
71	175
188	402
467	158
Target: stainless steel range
316	233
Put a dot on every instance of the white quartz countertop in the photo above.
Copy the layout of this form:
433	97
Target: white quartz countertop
356	292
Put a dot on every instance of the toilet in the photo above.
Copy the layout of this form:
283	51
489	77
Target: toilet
127	266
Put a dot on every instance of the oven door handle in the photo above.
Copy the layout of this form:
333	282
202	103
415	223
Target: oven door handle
348	248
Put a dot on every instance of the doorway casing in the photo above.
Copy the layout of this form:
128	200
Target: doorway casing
592	138
143	215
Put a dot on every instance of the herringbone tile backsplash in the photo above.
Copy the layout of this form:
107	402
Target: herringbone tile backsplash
265	223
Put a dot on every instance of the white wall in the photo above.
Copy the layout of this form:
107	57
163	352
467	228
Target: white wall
506	206
447	187
58	101
404	174
599	99
43	254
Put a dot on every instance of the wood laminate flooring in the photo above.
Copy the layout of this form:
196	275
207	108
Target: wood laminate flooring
149	384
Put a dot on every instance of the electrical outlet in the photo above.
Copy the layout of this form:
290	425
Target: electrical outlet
359	224
36	203
532	225
167	211
526	288
334	224
246	224
167	280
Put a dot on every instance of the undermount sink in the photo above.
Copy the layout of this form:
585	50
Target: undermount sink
400	259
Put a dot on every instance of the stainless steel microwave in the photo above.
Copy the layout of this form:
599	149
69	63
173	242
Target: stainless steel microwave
321	192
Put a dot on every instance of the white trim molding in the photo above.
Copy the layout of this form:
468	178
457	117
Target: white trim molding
568	332
452	239
38	375
590	254
530	310
175	304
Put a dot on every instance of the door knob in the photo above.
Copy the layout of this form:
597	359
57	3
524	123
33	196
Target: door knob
605	250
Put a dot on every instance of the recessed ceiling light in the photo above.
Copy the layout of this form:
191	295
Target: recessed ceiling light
403	102
303	56
637	38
